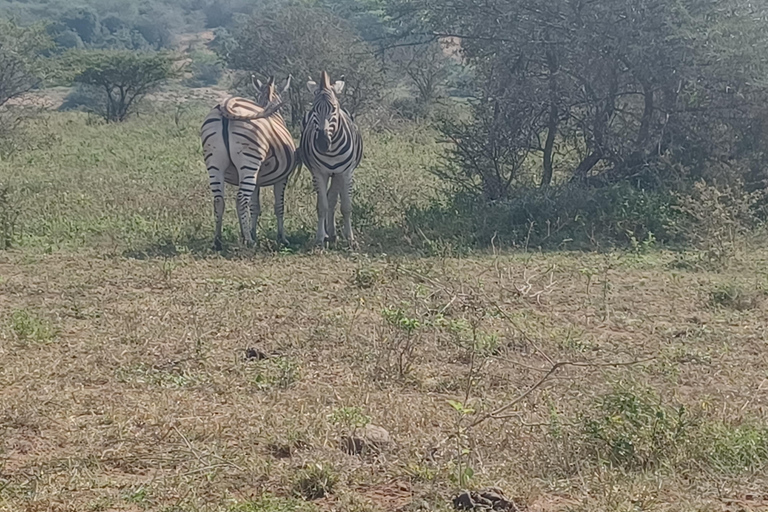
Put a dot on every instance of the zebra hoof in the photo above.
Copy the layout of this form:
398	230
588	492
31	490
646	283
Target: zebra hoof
217	245
331	239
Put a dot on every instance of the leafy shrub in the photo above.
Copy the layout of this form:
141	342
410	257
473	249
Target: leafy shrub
83	22
410	108
217	14
315	482
715	219
632	429
113	23
84	97
68	39
155	31
276	372
733	296
568	216
206	70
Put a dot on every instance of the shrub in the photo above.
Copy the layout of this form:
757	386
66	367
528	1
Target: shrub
84	97
83	22
714	219
68	40
733	296
568	216
632	429
315	482
206	70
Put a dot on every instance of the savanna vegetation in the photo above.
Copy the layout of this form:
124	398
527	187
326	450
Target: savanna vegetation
560	287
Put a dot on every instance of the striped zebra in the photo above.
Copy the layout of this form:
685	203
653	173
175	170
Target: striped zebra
247	144
331	148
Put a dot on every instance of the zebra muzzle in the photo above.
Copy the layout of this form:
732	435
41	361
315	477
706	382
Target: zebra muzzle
322	142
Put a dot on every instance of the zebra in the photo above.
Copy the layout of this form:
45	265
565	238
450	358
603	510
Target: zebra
331	148
247	144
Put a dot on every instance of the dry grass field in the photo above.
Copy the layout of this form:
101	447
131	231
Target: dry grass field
141	371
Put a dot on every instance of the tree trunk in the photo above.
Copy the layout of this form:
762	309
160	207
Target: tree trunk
645	124
549	144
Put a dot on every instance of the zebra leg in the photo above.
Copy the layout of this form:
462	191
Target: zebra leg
244	194
321	187
216	183
333	198
280	211
346	205
255	212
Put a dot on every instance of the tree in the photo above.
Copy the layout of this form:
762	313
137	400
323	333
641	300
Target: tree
425	66
124	78
84	22
610	89
303	41
21	59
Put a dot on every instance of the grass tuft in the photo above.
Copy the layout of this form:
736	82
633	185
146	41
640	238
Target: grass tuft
28	326
315	481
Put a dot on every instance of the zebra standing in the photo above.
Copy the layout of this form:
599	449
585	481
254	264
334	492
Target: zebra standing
331	147
247	144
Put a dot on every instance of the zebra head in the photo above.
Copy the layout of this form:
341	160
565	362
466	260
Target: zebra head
266	92
325	108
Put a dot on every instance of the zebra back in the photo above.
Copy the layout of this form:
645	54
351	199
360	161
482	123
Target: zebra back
268	139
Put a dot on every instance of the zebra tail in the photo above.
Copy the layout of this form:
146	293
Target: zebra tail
297	167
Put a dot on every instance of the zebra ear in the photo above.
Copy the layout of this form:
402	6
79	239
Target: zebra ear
312	86
338	86
287	85
258	84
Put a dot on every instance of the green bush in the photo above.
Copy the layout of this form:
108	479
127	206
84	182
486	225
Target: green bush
634	430
562	217
315	481
86	98
206	70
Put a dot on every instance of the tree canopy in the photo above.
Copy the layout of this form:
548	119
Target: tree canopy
124	78
606	88
22	51
303	41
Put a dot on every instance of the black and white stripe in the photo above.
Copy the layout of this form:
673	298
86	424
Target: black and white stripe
247	144
331	147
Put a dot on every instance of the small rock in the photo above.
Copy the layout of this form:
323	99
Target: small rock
370	438
486	499
253	354
464	501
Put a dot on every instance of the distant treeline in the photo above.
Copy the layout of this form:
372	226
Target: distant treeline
153	24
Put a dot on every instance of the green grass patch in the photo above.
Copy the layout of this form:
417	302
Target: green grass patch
269	503
28	326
